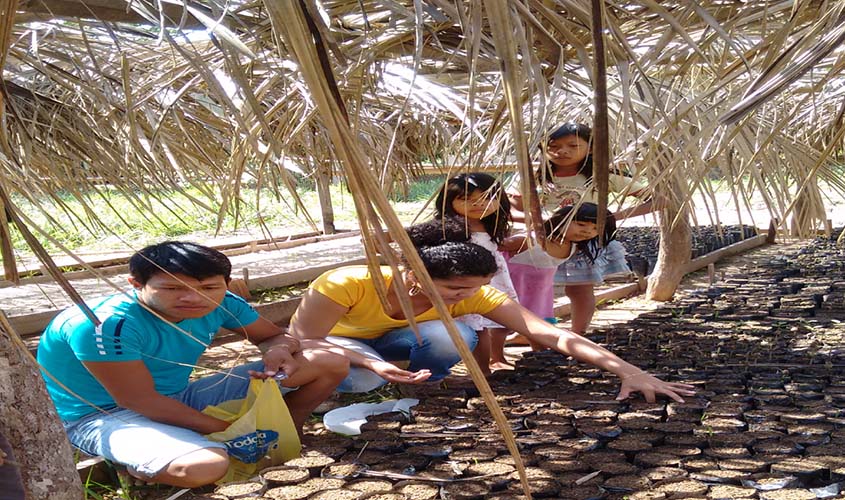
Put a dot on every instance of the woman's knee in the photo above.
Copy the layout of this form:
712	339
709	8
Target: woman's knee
582	292
438	338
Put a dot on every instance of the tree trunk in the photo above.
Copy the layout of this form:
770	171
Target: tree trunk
675	250
324	196
29	421
808	213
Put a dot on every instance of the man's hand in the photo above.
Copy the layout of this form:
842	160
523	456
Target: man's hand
396	375
277	358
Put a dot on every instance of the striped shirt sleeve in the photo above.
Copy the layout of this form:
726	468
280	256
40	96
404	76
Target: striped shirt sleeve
115	339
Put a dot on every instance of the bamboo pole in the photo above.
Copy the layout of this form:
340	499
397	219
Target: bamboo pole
601	155
7	21
292	29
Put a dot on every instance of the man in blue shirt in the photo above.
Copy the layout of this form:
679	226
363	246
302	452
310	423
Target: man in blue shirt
121	387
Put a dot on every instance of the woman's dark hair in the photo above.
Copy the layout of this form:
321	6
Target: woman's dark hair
546	171
179	257
497	224
438	231
444	247
557	223
453	259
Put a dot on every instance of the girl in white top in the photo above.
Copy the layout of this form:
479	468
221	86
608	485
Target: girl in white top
565	179
479	201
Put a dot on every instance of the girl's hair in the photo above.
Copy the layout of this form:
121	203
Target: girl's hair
546	171
497	224
557	223
443	247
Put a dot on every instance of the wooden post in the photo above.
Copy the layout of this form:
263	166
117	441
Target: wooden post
601	150
773	231
10	267
323	181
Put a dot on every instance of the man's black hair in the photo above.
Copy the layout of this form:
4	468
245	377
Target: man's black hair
179	257
455	259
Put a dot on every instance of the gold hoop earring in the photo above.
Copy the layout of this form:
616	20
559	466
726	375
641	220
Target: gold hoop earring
414	290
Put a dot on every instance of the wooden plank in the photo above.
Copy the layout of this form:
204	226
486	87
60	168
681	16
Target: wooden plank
564	308
742	246
293	277
34	324
229	249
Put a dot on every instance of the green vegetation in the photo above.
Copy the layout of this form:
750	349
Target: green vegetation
268	295
108	220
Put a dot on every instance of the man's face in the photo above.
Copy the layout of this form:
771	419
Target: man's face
176	297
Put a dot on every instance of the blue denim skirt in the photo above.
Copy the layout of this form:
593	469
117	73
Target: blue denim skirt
580	271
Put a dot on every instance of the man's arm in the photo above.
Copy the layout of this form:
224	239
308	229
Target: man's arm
131	385
276	346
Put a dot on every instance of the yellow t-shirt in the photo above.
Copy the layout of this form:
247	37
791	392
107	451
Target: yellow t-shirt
352	287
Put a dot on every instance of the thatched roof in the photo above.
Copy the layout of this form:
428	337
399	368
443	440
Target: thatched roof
111	92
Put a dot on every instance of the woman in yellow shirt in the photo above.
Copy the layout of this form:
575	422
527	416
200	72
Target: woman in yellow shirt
342	306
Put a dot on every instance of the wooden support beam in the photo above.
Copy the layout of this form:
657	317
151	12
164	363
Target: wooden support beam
116	265
563	308
742	246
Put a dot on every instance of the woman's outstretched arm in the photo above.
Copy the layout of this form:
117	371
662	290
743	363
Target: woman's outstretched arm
521	320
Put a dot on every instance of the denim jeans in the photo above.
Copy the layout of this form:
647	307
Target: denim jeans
436	353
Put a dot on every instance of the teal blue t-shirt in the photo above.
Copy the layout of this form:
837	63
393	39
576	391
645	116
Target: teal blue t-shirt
128	333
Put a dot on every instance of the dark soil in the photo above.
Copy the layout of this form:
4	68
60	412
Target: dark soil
771	401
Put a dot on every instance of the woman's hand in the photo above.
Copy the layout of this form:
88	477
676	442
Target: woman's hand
396	375
650	385
277	358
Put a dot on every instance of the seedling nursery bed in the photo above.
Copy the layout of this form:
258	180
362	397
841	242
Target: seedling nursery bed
765	348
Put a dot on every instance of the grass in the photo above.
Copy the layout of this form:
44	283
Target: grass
268	295
107	220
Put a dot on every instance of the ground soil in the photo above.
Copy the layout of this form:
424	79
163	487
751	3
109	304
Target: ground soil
755	378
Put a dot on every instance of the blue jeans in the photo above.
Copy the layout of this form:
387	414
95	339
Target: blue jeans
436	353
126	437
